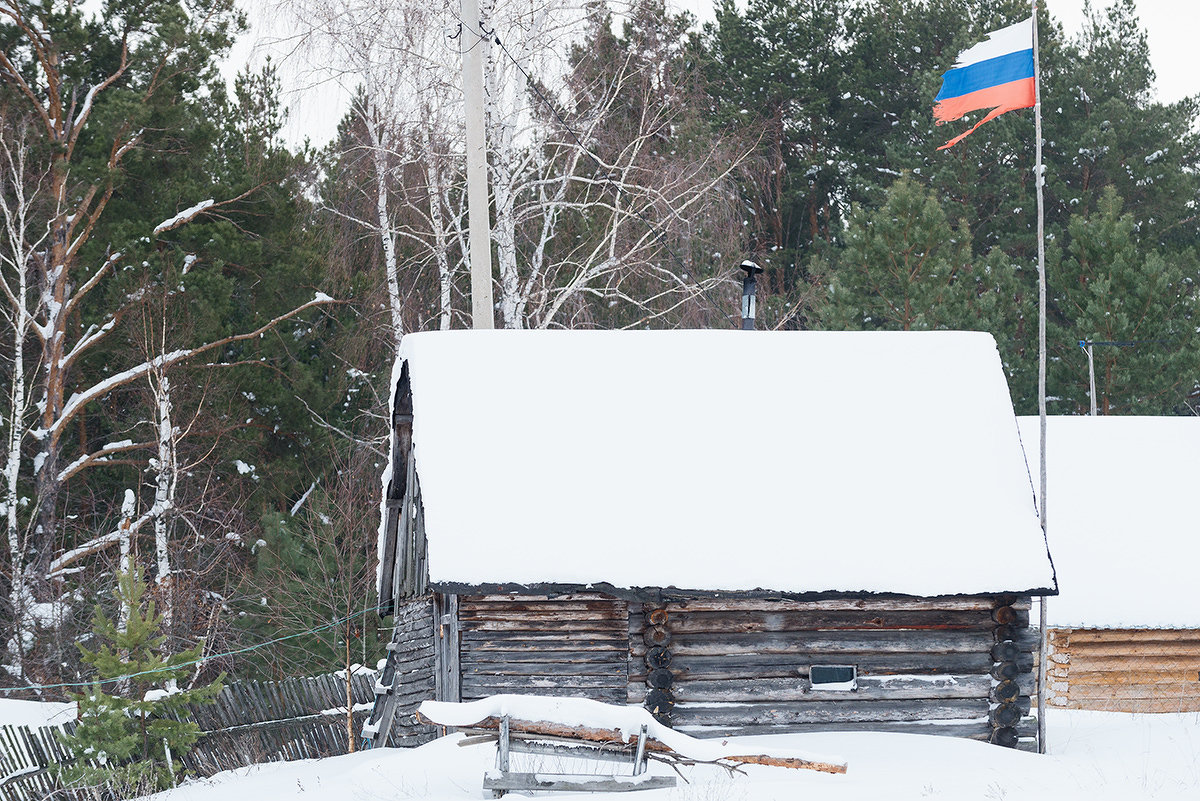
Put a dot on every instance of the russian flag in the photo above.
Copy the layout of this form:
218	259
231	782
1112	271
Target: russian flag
996	74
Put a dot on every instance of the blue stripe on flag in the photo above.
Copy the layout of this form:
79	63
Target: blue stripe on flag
985	74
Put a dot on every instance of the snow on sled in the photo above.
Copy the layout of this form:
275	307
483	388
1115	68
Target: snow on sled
570	730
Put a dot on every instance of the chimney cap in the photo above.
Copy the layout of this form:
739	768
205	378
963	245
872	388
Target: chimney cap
750	267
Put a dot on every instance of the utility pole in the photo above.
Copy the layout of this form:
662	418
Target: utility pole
1087	347
479	223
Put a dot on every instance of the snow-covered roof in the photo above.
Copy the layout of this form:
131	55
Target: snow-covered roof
792	462
1121	519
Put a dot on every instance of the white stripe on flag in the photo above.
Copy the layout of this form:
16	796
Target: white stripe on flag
1012	39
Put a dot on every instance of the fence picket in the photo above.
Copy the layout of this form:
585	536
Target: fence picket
247	722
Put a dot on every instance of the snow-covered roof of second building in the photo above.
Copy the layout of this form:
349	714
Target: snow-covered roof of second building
793	462
1121	519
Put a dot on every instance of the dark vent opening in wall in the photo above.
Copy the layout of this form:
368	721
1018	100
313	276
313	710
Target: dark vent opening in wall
833	677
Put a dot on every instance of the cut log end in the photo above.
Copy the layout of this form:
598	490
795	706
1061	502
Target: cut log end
660	702
660	679
1006	737
658	657
657	636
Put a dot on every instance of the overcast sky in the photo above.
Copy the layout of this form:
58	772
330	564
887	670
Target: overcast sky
1170	28
317	104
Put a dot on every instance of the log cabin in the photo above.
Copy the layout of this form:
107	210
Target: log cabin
747	532
1124	635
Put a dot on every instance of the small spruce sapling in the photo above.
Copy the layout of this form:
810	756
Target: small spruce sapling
133	739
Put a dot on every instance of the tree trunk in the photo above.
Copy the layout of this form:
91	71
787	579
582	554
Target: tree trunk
349	693
501	115
390	265
589	734
18	409
433	188
164	496
55	294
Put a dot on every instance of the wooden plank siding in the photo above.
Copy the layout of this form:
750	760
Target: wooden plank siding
741	666
1124	670
407	677
572	645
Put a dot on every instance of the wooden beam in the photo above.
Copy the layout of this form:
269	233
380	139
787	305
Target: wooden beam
611	784
824	642
850	710
1129	635
799	690
446	641
799	618
622	756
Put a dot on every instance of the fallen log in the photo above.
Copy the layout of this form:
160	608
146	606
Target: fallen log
786	762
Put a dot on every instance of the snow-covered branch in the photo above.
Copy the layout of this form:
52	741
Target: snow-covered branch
59	564
79	399
100	456
187	215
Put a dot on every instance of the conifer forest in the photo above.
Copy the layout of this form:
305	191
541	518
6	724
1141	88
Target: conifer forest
199	320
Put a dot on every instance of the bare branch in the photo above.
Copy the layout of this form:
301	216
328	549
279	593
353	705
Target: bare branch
78	400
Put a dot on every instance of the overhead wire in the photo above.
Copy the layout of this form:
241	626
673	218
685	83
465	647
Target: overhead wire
178	665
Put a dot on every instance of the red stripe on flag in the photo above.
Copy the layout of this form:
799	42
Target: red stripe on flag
1006	96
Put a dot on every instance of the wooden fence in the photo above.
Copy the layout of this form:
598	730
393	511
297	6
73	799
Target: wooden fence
249	722
26	757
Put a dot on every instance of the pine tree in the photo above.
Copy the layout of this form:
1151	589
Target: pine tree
315	573
1104	127
1109	288
905	267
776	71
132	722
125	121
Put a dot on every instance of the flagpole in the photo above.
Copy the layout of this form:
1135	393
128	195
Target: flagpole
1039	180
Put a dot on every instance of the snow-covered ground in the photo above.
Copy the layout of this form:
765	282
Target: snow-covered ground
1095	756
14	712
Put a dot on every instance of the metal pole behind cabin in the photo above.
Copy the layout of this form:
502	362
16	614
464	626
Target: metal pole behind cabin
1087	346
749	294
1039	181
479	225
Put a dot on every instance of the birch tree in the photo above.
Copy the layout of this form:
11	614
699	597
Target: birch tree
551	112
603	177
395	60
21	186
97	94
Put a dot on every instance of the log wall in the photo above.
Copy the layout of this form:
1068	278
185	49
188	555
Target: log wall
1124	670
960	667
570	645
713	667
